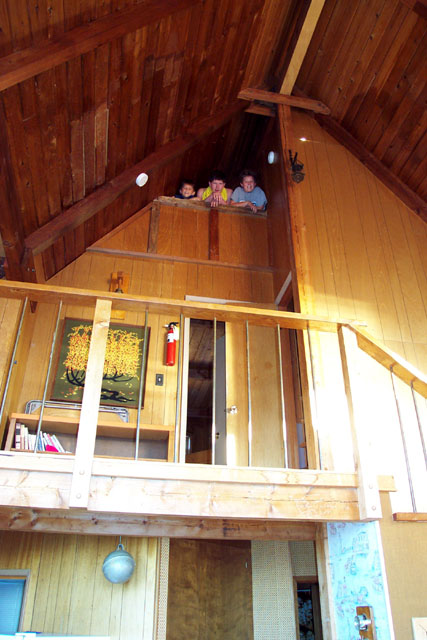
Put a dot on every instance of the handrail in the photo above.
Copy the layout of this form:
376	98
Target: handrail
389	359
202	310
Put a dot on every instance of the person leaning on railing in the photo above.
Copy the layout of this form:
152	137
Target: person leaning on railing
248	195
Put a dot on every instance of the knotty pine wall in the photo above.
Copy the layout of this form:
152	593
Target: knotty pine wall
67	592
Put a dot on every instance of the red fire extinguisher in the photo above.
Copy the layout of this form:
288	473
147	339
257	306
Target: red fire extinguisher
172	338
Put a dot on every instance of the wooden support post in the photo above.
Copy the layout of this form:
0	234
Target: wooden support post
213	235
79	492
325	583
154	228
369	497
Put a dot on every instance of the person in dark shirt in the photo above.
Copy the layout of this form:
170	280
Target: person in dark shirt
186	190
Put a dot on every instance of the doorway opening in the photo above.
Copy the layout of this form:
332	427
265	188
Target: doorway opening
309	620
206	393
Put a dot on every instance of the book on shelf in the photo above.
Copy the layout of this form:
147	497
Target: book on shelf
25	441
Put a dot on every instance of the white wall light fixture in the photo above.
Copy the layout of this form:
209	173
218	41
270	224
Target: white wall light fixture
141	179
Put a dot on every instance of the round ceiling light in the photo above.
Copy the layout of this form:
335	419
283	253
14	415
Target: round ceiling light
141	179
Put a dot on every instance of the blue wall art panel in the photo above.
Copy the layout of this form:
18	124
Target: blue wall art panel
357	577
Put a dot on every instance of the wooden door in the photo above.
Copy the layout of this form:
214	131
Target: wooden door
210	590
265	407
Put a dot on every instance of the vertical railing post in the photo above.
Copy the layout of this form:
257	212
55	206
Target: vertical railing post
282	400
248	368
49	367
178	390
85	447
12	360
141	385
368	494
213	429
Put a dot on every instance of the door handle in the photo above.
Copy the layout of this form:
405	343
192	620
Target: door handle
232	409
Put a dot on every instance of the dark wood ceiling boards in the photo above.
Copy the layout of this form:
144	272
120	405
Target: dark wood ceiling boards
367	62
94	91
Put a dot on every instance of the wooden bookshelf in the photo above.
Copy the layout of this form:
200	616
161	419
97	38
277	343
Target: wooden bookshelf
106	428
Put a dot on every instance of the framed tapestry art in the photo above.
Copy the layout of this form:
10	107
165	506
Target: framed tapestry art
122	366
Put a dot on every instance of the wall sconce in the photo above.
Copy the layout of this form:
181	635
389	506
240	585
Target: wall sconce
297	173
119	565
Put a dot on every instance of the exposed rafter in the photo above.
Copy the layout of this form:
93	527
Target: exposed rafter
27	63
105	195
303	42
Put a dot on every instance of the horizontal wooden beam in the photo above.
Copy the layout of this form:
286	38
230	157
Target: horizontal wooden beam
410	516
29	62
76	215
84	522
277	98
391	181
391	360
261	110
190	309
159	256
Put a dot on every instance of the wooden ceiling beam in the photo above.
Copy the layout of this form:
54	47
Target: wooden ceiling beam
97	523
303	42
419	6
277	98
76	215
45	55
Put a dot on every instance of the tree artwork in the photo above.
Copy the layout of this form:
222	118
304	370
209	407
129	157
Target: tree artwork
122	365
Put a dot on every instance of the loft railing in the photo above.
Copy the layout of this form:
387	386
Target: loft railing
352	340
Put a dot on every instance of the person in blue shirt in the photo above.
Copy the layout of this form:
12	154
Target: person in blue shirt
248	195
186	190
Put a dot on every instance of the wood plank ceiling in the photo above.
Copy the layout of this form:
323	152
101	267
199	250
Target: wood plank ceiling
91	91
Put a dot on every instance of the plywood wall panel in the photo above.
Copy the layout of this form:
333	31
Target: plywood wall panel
68	593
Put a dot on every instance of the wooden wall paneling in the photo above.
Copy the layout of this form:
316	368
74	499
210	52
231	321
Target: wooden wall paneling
242	285
385	323
383	214
47	583
189	237
332	217
132	609
267	442
205	281
412	297
354	243
165	230
183	594
152	586
180	280
228	242
30	559
290	393
83	586
103	592
262	287
325	302
10	312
